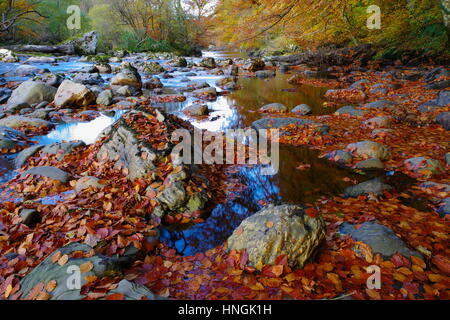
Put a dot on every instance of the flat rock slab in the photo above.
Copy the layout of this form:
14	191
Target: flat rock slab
381	239
279	123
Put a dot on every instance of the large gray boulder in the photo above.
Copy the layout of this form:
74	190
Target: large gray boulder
128	76
105	98
87	44
74	95
32	92
88	78
49	172
381	239
375	186
279	230
370	149
209	63
153	68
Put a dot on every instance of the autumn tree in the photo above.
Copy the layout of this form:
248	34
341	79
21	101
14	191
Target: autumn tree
14	12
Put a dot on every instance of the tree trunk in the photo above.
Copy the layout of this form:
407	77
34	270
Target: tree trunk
61	49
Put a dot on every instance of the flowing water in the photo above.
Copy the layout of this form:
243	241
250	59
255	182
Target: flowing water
237	110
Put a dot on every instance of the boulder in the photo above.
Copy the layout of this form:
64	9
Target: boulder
209	93
103	68
370	149
17	122
87	44
443	119
71	94
443	99
52	79
197	110
273	108
370	164
374	186
49	172
105	98
350	110
302	109
263	74
32	92
340	156
255	65
209	63
47	271
27	70
279	123
41	60
88	78
424	166
179	62
379	122
88	182
381	239
436	73
128	76
25	154
10	138
153	83
279	230
153	68
8	56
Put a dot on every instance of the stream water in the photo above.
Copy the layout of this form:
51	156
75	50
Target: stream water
237	110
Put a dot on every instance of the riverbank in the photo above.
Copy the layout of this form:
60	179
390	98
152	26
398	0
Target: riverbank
395	185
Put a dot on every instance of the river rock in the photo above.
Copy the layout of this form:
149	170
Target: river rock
370	149
263	74
105	98
436	73
370	164
8	56
153	83
209	63
88	182
41	60
438	85
128	76
17	122
273	108
279	123
47	271
10	138
380	104
209	93
27	70
32	92
379	122
75	95
279	230
87	44
52	79
88	78
153	68
255	65
443	119
61	149
350	110
103	68
179	62
424	166
374	186
134	291
197	110
302	109
5	94
444	207
381	239
340	156
443	99
50	172
25	154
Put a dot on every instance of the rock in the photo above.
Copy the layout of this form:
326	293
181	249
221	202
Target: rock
10	138
428	106
133	291
89	69
50	172
52	79
279	230
444	120
273	108
17	107
302	109
359	85
153	68
379	122
128	76
153	83
206	93
89	78
32	92
124	91
279	123
444	207
370	149
86	45
88	182
255	65
61	149
265	74
47	271
424	166
374	186
381	104
103	68
436	74
340	156
105	98
25	154
179	62
443	99
17	122
370	164
438	85
197	110
5	94
224	81
284	68
434	185
8	56
121	53
350	110
209	63
29	217
381	239
27	70
71	94
39	114
346	95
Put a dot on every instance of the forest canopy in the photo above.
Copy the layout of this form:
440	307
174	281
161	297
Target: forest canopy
276	26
